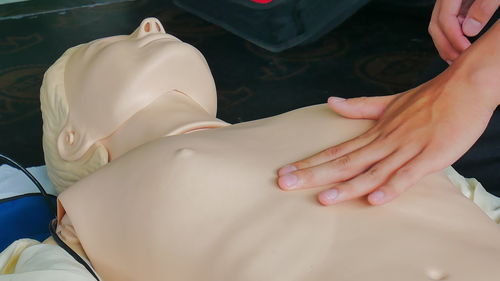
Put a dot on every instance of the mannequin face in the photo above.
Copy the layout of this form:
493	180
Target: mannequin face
108	80
120	69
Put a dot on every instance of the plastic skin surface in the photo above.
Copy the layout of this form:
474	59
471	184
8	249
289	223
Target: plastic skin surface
125	74
189	197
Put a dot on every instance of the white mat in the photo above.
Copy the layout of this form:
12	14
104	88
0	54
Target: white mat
13	182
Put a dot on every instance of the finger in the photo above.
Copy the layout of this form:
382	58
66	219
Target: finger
443	46
403	178
446	51
363	107
328	154
478	16
340	169
370	179
450	25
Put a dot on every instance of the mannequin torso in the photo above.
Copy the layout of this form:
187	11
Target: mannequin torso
205	206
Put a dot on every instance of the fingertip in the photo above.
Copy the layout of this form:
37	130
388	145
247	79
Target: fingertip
328	197
288	181
471	27
332	100
377	197
335	102
322	202
449	55
286	170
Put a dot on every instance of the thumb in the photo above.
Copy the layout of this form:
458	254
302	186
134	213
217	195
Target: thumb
480	12
360	108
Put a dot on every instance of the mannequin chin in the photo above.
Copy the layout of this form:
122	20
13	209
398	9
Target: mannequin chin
186	196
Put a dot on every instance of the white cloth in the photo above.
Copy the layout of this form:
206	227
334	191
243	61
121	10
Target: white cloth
473	190
13	182
29	260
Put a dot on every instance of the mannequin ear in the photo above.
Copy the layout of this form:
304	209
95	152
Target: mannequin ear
72	145
64	173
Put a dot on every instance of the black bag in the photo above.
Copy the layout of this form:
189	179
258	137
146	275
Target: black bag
275	25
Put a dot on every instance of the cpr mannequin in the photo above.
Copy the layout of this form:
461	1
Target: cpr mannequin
186	196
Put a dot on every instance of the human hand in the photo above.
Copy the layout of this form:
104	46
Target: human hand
416	133
453	20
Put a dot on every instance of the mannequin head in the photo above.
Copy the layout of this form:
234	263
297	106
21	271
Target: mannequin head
95	88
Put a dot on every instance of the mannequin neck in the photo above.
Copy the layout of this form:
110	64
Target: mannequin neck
173	113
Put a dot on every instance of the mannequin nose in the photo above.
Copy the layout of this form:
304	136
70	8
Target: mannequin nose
150	26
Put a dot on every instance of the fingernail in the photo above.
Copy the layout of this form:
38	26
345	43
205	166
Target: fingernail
471	27
286	170
449	62
376	197
335	99
327	197
288	181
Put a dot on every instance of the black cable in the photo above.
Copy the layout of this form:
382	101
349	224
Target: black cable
53	208
60	242
46	196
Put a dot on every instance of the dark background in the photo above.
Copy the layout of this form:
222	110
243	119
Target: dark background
382	49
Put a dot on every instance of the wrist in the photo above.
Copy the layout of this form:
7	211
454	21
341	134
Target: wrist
478	68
